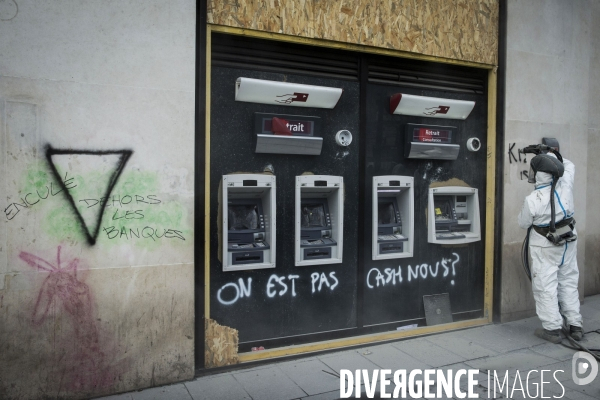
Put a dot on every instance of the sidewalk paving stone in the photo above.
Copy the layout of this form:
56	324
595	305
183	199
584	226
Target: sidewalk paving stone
461	346
591	318
591	340
223	386
124	396
349	359
523	360
310	376
334	395
592	301
269	384
429	353
496	340
389	357
558	352
523	332
171	392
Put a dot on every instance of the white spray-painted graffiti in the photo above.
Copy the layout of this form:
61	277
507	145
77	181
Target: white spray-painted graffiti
284	287
277	286
375	278
322	278
241	291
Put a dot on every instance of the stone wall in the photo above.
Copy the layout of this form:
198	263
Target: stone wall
97	183
552	90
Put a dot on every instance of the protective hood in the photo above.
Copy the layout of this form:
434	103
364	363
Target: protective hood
542	179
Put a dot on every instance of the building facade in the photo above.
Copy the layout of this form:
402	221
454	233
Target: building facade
128	150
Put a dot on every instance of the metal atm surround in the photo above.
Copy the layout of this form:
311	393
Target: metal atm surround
461	223
397	192
327	193
257	250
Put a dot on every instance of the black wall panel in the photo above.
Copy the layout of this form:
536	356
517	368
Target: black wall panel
403	302
276	313
260	316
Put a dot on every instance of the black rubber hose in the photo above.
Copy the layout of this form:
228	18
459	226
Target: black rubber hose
552	207
525	254
557	154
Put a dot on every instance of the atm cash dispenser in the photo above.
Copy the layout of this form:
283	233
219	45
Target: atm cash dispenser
453	215
248	222
393	217
319	219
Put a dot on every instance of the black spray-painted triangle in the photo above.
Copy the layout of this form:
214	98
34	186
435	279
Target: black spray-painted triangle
124	157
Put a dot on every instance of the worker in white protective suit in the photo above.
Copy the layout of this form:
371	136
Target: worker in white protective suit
554	272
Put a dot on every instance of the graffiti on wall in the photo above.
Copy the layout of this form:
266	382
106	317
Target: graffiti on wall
277	286
48	190
522	158
63	292
444	268
89	182
90	221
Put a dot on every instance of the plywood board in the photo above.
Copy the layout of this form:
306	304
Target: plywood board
221	345
465	30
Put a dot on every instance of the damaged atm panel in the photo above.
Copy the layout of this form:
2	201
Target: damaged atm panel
430	149
353	260
287	303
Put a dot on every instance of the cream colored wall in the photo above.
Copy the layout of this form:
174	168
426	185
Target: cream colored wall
552	90
118	315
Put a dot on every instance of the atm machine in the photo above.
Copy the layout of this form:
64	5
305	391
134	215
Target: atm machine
319	213
248	222
453	215
393	217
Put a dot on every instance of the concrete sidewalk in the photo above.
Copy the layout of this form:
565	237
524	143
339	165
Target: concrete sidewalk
510	346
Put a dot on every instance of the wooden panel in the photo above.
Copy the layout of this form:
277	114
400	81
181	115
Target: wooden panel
221	345
464	30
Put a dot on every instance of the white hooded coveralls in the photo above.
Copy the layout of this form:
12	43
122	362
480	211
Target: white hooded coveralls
554	272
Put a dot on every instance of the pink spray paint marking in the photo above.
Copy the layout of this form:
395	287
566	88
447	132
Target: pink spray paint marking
87	369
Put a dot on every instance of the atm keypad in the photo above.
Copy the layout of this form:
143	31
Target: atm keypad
390	237
311	242
248	245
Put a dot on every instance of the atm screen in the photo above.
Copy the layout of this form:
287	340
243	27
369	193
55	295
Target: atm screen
443	208
313	216
386	214
242	217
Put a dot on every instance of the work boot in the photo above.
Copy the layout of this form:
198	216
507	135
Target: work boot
551	336
576	332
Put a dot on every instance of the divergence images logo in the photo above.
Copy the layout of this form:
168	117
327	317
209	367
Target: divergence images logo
437	110
290	98
585	368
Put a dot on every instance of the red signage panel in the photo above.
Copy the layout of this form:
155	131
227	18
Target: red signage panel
432	134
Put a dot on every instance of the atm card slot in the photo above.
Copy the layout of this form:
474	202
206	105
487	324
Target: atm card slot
317	253
252	257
